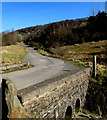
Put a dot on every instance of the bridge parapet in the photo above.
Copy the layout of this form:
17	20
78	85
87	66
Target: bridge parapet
58	97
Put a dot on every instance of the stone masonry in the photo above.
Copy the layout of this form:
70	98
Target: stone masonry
53	98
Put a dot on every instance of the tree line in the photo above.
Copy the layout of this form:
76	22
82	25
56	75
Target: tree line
69	32
62	33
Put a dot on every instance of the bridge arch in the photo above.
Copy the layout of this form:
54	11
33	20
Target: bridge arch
77	105
69	112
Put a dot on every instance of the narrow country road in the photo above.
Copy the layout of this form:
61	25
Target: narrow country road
44	68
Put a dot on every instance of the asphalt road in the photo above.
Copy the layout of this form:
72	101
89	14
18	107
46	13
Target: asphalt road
44	68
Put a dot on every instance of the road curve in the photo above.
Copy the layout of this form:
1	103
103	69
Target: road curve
44	68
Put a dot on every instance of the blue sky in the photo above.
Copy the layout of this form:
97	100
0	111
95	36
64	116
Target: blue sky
53	0
17	15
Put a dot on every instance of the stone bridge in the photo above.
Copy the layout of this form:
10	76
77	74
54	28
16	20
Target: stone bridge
59	97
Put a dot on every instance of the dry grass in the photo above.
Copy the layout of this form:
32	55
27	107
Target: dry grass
43	52
82	54
12	54
85	51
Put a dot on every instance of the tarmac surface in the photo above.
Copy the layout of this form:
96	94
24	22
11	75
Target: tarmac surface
44	68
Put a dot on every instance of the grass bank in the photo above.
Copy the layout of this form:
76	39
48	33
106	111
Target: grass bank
12	54
17	69
96	98
82	54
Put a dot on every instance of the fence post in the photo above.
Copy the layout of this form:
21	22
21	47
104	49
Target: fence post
94	66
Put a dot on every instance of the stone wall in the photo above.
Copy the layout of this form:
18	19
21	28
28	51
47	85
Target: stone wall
52	98
10	67
12	107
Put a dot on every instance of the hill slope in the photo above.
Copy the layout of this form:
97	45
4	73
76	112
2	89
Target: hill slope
61	33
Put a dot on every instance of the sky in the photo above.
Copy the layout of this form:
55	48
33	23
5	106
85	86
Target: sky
53	0
17	15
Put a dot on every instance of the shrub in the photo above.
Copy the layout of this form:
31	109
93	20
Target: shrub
10	38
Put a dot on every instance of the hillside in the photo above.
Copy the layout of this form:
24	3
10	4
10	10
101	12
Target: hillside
77	41
74	41
67	32
50	35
